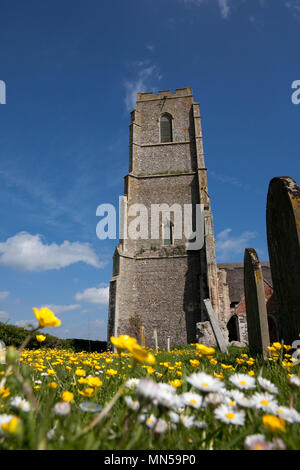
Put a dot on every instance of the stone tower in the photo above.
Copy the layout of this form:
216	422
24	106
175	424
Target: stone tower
158	282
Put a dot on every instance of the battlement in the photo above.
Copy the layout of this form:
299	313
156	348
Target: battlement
179	93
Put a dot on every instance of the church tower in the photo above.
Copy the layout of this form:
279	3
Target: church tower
158	282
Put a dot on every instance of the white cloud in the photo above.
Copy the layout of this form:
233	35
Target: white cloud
223	5
30	253
94	295
98	323
4	315
145	74
294	6
4	294
57	309
26	323
228	246
150	47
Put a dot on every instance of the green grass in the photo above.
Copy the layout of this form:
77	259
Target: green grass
121	427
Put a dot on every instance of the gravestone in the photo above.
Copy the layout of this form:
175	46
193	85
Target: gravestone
215	326
283	232
256	310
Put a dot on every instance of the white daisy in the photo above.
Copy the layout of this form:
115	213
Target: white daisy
20	403
241	399
147	388
242	381
257	442
62	408
151	421
132	404
161	426
200	424
204	382
267	385
212	400
131	383
192	399
265	402
50	434
158	393
295	380
187	421
228	415
167	387
174	417
288	414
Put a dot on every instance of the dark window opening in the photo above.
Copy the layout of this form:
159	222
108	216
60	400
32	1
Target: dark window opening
233	328
166	128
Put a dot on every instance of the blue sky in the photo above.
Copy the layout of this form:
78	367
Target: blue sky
72	70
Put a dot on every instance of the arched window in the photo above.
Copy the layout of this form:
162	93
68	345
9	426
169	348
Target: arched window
166	128
168	229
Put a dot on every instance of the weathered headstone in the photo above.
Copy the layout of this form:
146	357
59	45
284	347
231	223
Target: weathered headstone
215	326
283	232
256	310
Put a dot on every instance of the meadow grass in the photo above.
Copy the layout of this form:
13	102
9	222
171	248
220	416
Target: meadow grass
37	413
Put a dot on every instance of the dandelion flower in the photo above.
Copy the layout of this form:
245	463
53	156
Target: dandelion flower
40	338
52	385
94	382
67	396
87	392
205	350
46	317
175	383
273	423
